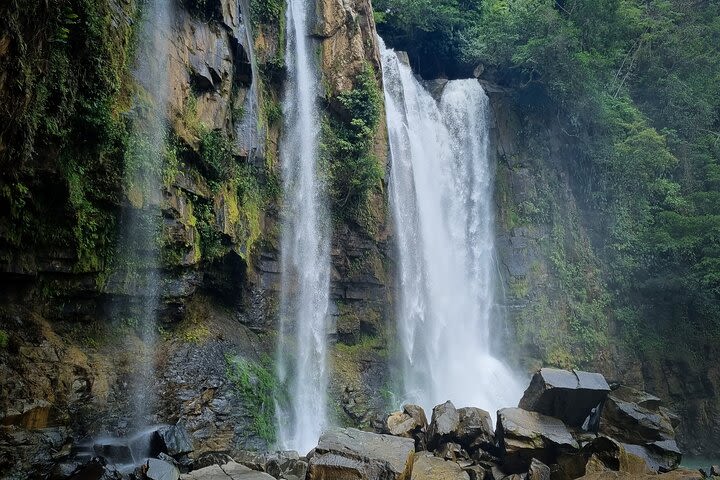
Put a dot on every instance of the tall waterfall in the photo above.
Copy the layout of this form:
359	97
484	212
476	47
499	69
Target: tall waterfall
441	199
137	276
305	248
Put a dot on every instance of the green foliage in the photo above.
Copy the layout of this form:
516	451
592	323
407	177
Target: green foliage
4	339
216	151
256	385
267	11
347	144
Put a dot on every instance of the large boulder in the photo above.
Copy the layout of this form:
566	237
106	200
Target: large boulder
630	417
428	467
278	464
599	455
443	425
350	454
570	396
410	423
228	471
176	440
538	470
474	429
524	435
161	470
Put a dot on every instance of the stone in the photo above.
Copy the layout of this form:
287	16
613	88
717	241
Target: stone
477	472
176	440
661	456
715	470
114	451
632	423
451	451
475	429
524	435
161	470
567	395
352	454
538	470
444	424
428	467
228	471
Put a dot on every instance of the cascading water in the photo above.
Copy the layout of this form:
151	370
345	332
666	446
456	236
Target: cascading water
138	272
248	128
305	249
441	199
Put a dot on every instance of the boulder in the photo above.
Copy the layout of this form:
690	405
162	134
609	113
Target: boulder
410	423
161	470
175	440
538	470
228	471
632	422
524	435
352	454
681	474
428	467
570	396
444	424
660	456
478	472
114	451
475	429
451	451
715	470
277	464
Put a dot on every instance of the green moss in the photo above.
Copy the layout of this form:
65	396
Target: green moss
4	339
267	11
256	385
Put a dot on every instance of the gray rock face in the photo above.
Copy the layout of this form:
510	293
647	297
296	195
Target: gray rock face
568	395
176	440
524	435
277	464
114	451
475	429
160	470
228	471
444	424
352	454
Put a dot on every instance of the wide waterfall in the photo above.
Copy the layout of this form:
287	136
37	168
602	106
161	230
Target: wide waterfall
305	247
441	199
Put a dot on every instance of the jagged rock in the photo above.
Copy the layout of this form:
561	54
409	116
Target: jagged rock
538	470
228	471
568	395
451	451
715	470
516	476
175	440
524	435
161	470
276	464
600	454
477	472
353	454
475	429
631	422
428	467
444	424
661	456
114	451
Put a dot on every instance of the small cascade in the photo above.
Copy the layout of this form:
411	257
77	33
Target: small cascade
249	130
137	275
441	200
305	248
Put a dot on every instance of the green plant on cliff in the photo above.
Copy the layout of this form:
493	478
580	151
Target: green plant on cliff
267	11
256	385
4	339
347	144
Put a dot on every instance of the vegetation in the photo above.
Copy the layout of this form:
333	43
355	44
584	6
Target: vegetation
347	148
634	86
256	384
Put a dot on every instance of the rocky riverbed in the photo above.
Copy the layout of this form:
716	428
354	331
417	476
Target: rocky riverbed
568	425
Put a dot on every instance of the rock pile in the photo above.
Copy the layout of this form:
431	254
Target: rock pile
568	425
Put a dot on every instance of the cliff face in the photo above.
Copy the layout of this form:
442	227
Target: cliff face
552	257
67	355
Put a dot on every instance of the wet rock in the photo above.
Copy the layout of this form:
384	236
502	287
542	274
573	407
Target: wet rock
428	467
410	423
477	472
212	458
715	470
444	424
349	453
161	470
661	456
524	435
631	422
228	471
451	451
568	395
175	440
475	429
114	451
277	464
538	470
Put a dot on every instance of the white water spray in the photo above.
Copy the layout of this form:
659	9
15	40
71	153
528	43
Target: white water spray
441	199
305	254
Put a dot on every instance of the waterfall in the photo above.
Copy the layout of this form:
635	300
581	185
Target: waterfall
248	129
137	275
441	200
305	247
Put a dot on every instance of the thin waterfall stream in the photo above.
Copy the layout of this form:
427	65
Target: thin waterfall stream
441	201
305	247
